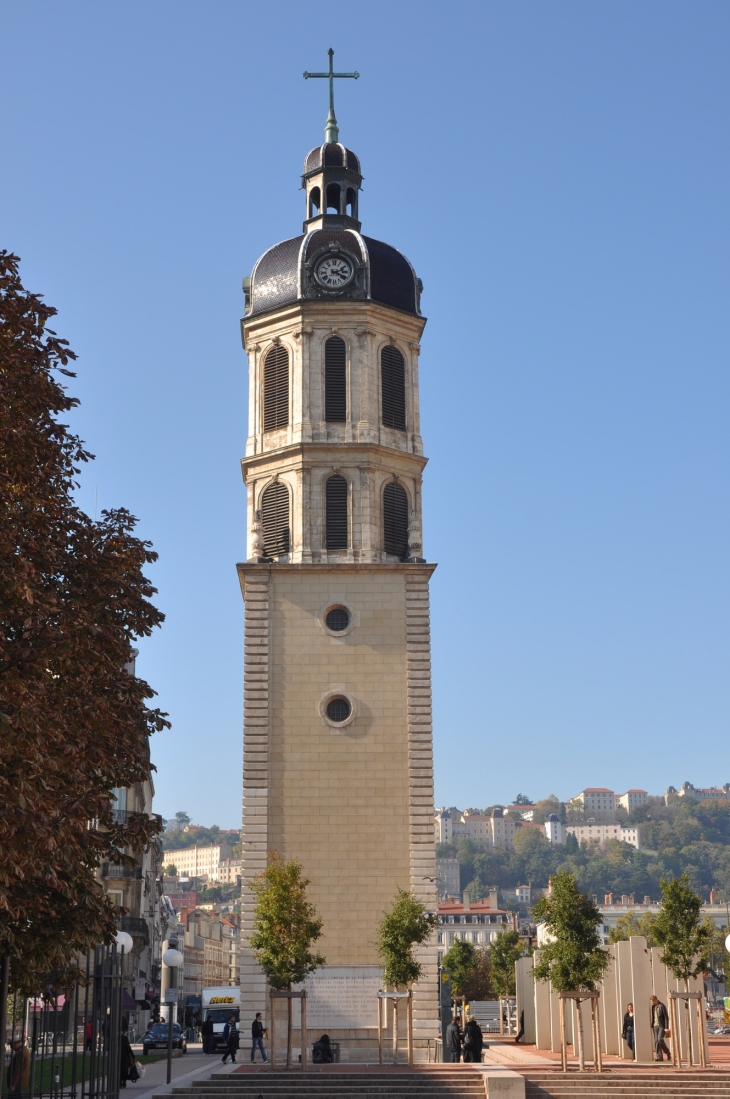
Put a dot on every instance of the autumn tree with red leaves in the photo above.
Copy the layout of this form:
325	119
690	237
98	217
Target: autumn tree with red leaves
74	723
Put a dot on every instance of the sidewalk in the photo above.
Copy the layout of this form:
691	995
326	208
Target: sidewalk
194	1064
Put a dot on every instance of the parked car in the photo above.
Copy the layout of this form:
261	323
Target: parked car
156	1038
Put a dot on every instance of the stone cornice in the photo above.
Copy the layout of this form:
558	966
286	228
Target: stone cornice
309	455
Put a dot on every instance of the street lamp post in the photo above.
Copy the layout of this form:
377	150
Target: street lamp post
172	958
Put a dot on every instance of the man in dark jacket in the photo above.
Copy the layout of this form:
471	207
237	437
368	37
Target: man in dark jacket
231	1038
207	1032
659	1024
473	1041
257	1037
453	1039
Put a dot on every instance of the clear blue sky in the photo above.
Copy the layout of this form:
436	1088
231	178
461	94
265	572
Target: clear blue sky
558	174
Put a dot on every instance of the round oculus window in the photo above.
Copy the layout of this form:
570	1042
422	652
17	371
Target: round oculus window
337	619
338	709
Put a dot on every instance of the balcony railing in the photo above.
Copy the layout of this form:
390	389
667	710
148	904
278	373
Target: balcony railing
135	925
115	872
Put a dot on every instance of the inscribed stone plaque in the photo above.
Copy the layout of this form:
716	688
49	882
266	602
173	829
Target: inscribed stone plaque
341	997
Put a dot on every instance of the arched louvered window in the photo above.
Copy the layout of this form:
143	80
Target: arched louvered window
393	382
395	519
336	508
275	517
335	380
276	388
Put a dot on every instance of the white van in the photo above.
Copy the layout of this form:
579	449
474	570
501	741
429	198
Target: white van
218	1005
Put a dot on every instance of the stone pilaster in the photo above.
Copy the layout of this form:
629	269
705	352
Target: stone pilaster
254	836
420	777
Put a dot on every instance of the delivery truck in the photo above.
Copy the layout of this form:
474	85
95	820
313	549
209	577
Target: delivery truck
218	1005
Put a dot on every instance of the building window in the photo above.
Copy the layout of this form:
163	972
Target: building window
276	388
393	383
335	380
338	709
337	619
395	520
275	516
336	509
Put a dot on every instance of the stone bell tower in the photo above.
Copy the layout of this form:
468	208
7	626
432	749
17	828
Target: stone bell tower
338	738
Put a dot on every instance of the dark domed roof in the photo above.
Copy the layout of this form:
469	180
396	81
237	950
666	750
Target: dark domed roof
331	155
284	274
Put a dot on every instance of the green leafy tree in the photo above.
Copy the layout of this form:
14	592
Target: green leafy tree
632	924
680	931
170	870
478	983
285	926
522	799
459	960
407	924
75	722
504	951
573	961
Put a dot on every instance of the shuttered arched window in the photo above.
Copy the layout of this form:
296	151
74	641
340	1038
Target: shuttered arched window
276	388
275	517
393	384
336	508
335	380
395	519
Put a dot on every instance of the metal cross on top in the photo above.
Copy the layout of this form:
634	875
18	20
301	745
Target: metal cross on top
331	132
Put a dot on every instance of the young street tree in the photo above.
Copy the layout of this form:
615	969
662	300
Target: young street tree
503	953
573	961
685	938
470	971
75	723
459	962
408	924
285	927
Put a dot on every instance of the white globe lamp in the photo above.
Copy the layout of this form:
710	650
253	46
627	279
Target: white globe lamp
172	958
124	941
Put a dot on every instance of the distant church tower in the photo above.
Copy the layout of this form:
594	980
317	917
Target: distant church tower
338	768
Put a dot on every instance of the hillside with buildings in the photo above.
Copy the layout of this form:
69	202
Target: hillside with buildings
620	844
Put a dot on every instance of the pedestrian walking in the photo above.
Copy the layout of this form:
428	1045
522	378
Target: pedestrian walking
231	1038
473	1041
19	1067
660	1026
89	1037
127	1069
453	1039
207	1032
628	1031
257	1038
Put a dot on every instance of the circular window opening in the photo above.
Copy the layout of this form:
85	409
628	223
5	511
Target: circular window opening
338	709
337	619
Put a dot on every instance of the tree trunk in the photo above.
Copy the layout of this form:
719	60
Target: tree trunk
563	1049
288	1030
688	1021
581	1053
395	1032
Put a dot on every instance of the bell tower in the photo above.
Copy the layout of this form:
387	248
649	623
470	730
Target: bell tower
338	766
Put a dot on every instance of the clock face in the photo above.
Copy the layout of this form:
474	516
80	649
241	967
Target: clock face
334	272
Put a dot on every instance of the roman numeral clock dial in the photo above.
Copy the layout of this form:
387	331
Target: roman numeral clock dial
334	272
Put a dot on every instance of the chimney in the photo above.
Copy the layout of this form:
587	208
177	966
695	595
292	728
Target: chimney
608	898
465	900
647	899
494	898
713	897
